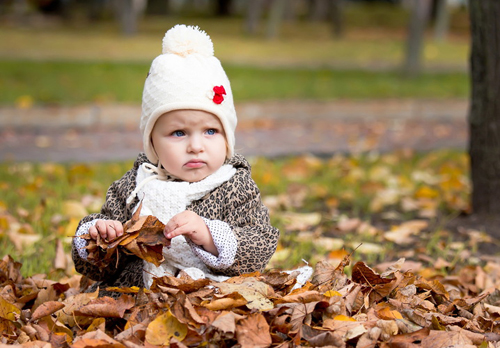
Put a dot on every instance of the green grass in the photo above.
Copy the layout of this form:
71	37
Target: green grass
87	82
340	186
76	62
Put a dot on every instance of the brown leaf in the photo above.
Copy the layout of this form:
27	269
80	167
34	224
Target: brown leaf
67	316
410	340
434	285
187	285
362	274
138	330
304	297
184	311
253	331
107	307
46	308
279	280
322	338
232	300
447	339
60	261
326	277
97	339
226	321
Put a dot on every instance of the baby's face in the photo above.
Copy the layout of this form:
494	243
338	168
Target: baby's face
190	144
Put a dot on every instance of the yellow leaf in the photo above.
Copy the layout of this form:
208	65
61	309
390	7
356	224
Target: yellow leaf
388	314
71	227
331	293
21	240
8	310
131	290
342	317
3	205
74	209
96	323
24	102
163	328
426	192
301	221
4	223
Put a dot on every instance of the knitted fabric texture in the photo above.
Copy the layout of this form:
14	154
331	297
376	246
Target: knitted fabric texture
164	199
187	76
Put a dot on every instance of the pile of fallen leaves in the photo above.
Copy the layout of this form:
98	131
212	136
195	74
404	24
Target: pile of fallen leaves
393	309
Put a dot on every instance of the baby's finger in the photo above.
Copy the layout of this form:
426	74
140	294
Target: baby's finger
110	231
93	232
171	225
118	226
184	229
101	229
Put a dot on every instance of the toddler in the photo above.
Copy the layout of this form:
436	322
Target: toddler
188	177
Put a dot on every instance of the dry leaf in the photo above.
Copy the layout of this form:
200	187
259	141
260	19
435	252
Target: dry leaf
256	293
253	331
226	321
60	260
106	307
46	308
163	328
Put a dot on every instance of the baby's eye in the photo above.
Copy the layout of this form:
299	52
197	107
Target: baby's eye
178	133
211	131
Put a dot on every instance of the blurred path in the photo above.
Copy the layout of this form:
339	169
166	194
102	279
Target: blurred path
102	133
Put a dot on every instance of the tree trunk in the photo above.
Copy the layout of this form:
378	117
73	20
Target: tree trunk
290	15
158	7
128	12
276	15
418	21
254	12
336	17
318	10
484	116
442	22
223	8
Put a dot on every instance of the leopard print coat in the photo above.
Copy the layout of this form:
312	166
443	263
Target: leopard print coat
236	202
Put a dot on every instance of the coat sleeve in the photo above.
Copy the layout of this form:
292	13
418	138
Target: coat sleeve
249	220
114	208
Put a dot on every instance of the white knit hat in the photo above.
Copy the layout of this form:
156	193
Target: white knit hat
186	76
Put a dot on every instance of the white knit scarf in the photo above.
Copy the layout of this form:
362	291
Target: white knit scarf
164	199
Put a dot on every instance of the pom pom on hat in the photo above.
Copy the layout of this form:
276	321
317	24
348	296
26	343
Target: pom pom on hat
184	40
187	76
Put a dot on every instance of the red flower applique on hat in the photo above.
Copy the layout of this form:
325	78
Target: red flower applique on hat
219	91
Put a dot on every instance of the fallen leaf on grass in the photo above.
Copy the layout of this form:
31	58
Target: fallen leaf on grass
60	260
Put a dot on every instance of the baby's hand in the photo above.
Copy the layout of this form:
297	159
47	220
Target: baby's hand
107	229
192	226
